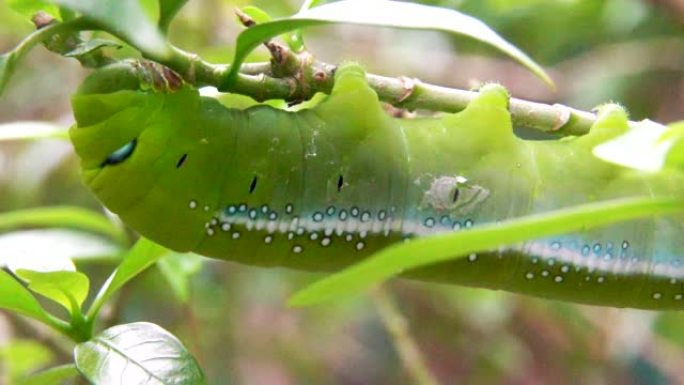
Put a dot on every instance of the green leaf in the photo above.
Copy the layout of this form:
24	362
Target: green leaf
31	130
167	11
67	288
22	357
178	269
92	45
52	376
15	297
398	258
137	353
28	8
63	216
125	19
381	13
141	256
51	249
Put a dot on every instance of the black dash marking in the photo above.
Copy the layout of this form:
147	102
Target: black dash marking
252	186
181	160
454	198
340	183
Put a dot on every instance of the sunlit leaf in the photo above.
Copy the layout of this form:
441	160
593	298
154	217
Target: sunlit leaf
125	19
381	13
15	297
62	216
31	130
137	353
398	258
167	11
52	376
51	249
67	288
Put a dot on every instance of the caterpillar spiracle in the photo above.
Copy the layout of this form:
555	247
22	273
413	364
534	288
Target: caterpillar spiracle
322	188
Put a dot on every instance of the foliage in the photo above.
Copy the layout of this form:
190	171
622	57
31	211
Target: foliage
489	362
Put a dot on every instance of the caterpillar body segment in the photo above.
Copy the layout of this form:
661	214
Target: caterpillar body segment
322	188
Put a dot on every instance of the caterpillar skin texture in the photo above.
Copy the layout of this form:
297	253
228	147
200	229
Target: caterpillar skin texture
322	188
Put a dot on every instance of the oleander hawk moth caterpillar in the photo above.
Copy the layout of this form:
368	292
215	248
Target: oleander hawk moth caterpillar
322	188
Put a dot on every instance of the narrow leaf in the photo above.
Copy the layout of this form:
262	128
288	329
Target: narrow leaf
90	46
125	19
63	216
137	353
398	258
22	357
167	11
53	376
380	13
67	288
31	130
15	297
141	256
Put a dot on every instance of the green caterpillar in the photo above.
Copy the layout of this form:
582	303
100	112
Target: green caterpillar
321	188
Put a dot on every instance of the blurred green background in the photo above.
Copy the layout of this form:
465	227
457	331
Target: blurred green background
234	318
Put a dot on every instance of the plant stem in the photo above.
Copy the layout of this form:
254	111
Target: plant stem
396	326
255	81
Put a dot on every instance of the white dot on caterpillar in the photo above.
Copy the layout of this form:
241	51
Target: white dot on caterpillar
289	208
290	235
678	297
264	209
365	216
360	246
349	237
214	222
328	232
565	268
318	216
354	211
673	281
363	234
236	235
657	296
313	236
225	226
600	279
206	208
558	279
472	257
529	275
545	273
325	241
210	231
297	249
268	239
625	244
300	231
192	204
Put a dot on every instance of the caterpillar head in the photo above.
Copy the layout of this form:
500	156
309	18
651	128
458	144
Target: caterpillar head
140	142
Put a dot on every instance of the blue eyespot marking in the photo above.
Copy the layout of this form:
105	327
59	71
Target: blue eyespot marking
121	154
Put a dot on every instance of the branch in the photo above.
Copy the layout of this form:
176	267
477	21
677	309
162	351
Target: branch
256	81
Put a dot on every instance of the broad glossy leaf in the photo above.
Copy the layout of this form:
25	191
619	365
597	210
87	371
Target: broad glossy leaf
15	297
67	288
62	216
396	259
381	13
137	353
125	19
52	376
